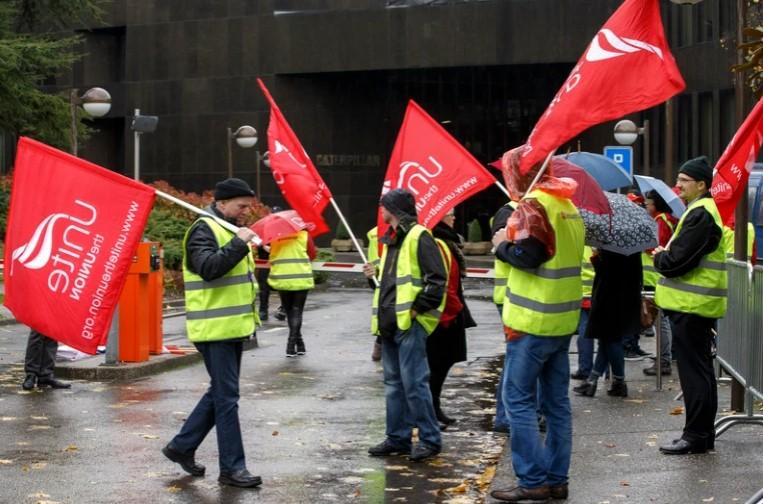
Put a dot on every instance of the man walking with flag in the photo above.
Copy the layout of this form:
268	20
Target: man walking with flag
220	289
406	310
692	291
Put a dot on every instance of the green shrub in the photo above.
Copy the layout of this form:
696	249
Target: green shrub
323	255
474	231
341	232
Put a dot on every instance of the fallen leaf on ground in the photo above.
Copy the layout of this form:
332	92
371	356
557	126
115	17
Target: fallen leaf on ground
150	436
635	401
709	499
610	445
71	448
5	461
625	483
678	410
173	489
39	465
462	488
38	427
275	433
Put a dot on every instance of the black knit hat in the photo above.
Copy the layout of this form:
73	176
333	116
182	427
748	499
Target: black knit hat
399	203
232	188
698	169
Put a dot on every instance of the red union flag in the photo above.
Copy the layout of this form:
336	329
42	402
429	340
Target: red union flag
733	168
433	166
627	67
294	172
72	231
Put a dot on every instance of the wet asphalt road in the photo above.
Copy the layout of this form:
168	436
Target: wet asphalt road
307	424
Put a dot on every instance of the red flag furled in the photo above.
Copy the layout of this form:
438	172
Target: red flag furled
733	168
627	67
73	228
294	172
433	166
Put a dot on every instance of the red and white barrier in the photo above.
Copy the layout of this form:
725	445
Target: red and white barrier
358	268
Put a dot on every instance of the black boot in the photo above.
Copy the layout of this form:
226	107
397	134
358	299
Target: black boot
619	388
442	417
29	382
291	348
586	389
300	346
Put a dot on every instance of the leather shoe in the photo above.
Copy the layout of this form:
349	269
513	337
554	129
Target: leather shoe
683	447
386	448
652	370
186	461
52	383
241	478
519	494
559	491
29	382
579	375
421	452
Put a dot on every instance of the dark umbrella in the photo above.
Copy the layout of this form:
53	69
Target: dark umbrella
276	225
607	173
629	229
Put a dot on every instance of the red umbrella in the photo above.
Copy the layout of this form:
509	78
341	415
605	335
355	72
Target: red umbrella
588	196
276	225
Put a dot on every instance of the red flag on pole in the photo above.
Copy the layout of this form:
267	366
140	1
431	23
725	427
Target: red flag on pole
294	172
733	168
627	67
72	231
433	166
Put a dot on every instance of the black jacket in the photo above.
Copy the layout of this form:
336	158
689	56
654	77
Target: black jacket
205	257
699	236
616	298
433	276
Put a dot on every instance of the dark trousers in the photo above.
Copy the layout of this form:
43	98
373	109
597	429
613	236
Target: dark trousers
262	275
693	338
218	407
438	371
40	355
293	303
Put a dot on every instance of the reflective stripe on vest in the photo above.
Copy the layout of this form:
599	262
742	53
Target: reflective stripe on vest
546	301
702	291
408	284
222	308
290	268
587	272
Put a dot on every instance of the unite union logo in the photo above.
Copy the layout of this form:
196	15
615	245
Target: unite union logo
617	46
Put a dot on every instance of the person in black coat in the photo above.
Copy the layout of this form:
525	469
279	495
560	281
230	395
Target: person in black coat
615	305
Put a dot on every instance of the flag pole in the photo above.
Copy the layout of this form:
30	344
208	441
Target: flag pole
352	235
540	172
503	189
227	225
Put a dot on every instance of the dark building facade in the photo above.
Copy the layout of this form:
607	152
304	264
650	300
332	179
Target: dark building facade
342	72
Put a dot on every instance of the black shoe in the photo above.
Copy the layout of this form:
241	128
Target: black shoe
579	375
619	389
666	370
521	494
559	491
683	447
443	418
241	478
421	452
502	429
636	354
263	316
291	348
280	314
301	347
386	448
586	389
29	382
52	383
187	462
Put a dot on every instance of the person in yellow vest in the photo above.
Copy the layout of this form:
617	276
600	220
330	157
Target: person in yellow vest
501	269
373	258
585	345
692	292
730	244
406	309
291	274
666	225
544	245
220	289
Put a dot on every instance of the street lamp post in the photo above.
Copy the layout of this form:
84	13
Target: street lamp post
96	102
246	137
626	133
141	124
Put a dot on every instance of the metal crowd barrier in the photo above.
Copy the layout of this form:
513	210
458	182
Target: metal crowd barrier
740	340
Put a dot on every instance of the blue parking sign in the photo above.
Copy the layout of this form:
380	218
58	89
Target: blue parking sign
622	155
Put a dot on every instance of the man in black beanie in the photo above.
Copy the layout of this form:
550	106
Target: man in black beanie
407	308
692	292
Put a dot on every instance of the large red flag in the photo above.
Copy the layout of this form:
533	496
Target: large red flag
433	166
733	168
73	228
627	67
294	172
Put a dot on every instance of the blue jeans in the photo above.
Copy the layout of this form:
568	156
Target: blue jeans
539	362
585	345
406	388
218	407
501	415
610	354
